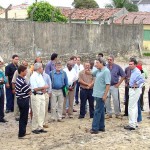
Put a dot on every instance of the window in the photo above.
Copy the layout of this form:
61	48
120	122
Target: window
146	35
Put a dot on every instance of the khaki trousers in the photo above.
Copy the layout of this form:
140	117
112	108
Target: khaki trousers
16	108
46	108
57	102
70	98
38	109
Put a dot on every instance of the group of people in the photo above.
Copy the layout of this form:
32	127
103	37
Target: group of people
56	88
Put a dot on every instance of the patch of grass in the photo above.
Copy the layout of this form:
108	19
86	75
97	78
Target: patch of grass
146	54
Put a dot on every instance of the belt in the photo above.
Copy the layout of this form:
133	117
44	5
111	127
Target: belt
37	93
57	89
133	87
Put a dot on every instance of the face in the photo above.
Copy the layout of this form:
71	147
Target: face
98	65
24	73
40	70
78	61
15	60
110	60
69	66
87	66
58	67
140	63
100	56
25	64
132	65
74	61
38	60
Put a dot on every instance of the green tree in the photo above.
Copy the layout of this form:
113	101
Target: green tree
85	4
123	3
43	11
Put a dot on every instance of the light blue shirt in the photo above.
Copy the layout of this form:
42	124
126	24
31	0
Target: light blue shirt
47	80
36	80
136	78
103	77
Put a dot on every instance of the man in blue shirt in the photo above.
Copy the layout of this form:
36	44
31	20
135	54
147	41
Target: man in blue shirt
135	89
59	80
3	81
116	72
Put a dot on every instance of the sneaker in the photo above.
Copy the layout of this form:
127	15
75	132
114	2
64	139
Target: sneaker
42	131
102	130
93	132
129	128
45	126
60	120
108	116
36	132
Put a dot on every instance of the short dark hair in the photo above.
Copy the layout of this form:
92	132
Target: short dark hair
73	57
133	60
102	61
53	56
14	56
21	68
101	54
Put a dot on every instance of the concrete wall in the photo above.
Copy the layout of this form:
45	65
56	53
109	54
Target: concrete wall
31	39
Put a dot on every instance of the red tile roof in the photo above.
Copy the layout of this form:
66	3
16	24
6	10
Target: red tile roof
90	14
138	16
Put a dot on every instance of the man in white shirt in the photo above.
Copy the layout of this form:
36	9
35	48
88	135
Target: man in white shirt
78	67
72	77
38	87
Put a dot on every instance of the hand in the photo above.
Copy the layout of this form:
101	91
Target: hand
104	98
46	87
7	85
116	85
13	91
87	72
70	88
43	91
50	94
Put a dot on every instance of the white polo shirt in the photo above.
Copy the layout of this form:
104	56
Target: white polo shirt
36	80
72	75
78	68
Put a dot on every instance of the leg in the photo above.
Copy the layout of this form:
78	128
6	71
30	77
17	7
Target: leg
71	98
46	108
24	109
139	118
16	108
83	99
64	106
108	103
126	100
53	105
1	103
9	98
77	93
98	122
141	98
114	92
91	103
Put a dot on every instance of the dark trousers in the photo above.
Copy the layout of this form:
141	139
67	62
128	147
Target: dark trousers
9	99
1	103
99	115
141	98
24	109
139	119
126	100
85	95
77	92
149	98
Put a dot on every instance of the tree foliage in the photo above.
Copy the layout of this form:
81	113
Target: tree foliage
85	4
43	11
123	3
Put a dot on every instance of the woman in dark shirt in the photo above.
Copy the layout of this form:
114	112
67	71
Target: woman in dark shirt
23	95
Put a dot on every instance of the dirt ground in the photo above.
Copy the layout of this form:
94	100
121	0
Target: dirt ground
73	134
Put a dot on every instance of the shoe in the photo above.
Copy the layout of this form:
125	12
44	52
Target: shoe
148	117
36	132
93	132
118	116
91	117
60	120
42	131
108	116
125	115
17	119
102	130
3	120
7	111
74	110
129	128
80	117
45	126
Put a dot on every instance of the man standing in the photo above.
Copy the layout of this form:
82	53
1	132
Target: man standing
51	64
59	80
116	72
23	93
100	91
78	67
86	90
9	72
135	84
72	77
3	80
38	87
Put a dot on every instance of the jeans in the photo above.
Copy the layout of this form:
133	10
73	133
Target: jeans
9	99
24	109
99	115
85	95
77	92
1	103
142	98
139	119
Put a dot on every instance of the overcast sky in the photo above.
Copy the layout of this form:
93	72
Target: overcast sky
67	3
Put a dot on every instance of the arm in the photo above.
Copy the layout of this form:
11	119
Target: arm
6	74
50	85
106	92
66	79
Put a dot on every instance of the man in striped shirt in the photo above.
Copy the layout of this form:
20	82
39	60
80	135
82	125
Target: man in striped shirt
23	95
